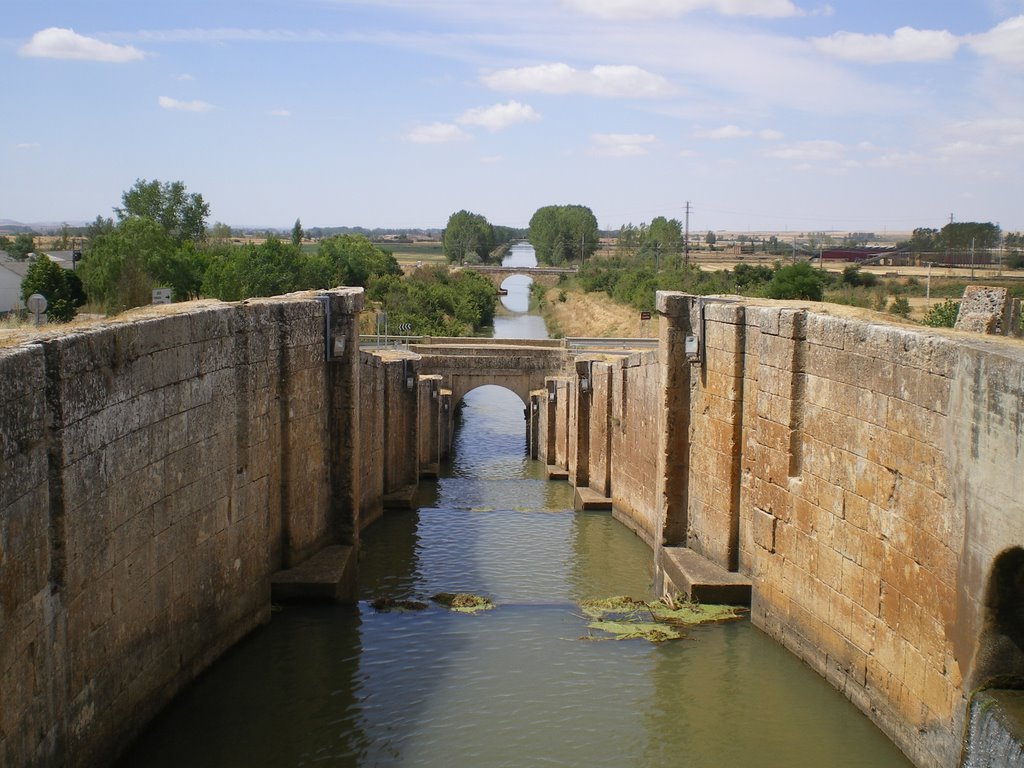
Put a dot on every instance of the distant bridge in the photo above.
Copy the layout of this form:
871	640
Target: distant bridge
547	276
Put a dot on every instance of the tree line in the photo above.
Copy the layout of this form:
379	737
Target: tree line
158	237
559	234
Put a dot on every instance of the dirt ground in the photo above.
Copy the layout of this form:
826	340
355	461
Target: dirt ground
592	315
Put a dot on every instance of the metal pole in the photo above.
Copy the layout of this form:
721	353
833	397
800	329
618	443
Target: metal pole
686	237
972	258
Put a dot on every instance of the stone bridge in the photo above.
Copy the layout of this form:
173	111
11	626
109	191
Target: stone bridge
546	276
465	364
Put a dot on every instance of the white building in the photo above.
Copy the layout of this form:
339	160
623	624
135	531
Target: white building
11	273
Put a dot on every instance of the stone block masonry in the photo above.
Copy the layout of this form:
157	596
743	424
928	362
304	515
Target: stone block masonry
859	474
154	472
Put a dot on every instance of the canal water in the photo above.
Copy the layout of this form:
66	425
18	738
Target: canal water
525	684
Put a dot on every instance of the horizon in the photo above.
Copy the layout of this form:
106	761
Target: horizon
766	115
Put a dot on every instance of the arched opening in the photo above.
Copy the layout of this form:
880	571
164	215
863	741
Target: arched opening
488	431
516	293
999	658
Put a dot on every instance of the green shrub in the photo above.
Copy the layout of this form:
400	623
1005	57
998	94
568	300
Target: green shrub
942	315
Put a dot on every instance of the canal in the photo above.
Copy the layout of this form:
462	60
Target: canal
524	684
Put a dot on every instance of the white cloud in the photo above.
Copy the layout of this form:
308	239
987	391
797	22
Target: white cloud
492	159
898	160
623	81
1004	42
622	144
499	116
436	133
905	44
965	148
27	145
60	43
280	113
770	134
989	132
654	9
185	77
809	151
166	102
726	132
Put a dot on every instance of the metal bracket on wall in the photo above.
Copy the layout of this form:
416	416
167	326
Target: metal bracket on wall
334	343
328	342
694	344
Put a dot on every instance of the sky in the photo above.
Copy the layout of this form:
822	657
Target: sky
786	115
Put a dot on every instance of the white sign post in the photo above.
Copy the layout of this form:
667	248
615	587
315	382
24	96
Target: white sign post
37	306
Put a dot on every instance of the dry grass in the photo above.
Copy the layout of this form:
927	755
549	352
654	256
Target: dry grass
589	315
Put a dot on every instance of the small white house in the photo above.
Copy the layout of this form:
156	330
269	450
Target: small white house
11	274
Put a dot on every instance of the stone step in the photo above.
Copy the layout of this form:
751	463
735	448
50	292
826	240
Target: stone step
588	499
330	574
402	499
699	579
557	473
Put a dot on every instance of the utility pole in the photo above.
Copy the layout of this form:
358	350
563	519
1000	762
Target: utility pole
686	237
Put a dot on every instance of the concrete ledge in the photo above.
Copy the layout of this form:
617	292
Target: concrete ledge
589	499
702	580
330	574
557	473
402	499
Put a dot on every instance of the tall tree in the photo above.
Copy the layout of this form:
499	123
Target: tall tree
61	287
961	236
356	259
297	233
467	237
120	268
560	233
181	214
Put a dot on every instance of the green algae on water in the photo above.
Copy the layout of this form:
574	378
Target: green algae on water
463	602
626	618
383	604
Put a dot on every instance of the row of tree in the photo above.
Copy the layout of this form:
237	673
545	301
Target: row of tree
959	236
559	234
160	238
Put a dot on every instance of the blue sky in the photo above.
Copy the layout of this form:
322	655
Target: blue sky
797	115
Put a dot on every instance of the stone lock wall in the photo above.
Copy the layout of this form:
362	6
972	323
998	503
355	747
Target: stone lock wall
857	472
390	427
153	473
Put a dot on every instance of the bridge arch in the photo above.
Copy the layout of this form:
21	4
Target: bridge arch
520	366
546	276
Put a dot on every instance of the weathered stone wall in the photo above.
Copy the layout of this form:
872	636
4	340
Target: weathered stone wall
635	419
401	459
372	461
600	427
153	473
860	474
561	426
389	425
